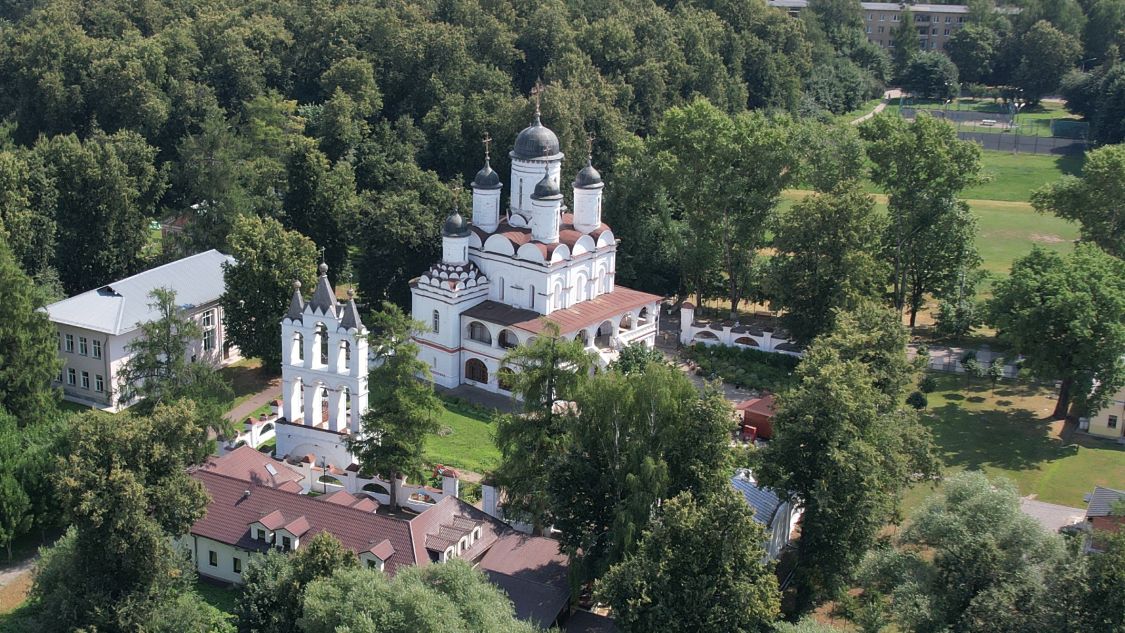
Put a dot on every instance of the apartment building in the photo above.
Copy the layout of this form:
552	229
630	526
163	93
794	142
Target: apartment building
935	23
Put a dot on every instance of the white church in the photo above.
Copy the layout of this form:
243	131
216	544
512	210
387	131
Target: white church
499	281
503	276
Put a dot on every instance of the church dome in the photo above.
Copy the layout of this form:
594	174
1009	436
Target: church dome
587	177
536	141
545	188
455	226
486	178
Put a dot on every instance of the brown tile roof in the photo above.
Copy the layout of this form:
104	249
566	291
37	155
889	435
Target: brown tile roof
297	527
519	235
589	313
534	558
340	497
383	551
534	602
230	514
273	520
435	526
291	486
250	465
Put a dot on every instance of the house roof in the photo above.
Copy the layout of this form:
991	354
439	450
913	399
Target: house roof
1100	502
537	603
122	306
248	464
590	313
231	512
586	622
763	500
763	406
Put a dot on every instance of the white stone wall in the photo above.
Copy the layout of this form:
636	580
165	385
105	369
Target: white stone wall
225	554
691	333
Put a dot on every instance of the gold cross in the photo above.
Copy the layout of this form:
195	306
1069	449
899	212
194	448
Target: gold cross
535	92
590	143
487	140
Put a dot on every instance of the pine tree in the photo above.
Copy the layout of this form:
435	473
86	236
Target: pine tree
28	345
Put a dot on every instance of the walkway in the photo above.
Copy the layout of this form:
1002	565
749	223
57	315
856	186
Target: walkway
887	96
8	575
256	401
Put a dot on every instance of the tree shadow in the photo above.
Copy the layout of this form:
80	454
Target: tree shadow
953	397
1011	440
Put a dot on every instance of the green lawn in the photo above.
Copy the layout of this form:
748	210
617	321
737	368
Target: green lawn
222	598
464	441
1015	176
246	378
1008	230
1008	434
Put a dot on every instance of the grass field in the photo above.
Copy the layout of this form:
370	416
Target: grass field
465	441
1014	176
1008	434
222	598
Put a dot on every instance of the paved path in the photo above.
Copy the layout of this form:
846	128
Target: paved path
8	575
256	401
887	96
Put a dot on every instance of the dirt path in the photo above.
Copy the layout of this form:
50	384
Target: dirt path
9	575
887	96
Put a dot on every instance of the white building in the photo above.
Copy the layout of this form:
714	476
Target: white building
503	276
96	327
324	375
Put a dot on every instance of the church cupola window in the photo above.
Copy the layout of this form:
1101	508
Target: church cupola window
437	322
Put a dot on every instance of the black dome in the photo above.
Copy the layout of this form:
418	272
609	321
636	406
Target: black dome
536	141
486	178
545	188
455	226
587	177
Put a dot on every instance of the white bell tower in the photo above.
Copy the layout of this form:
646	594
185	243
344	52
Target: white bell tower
323	373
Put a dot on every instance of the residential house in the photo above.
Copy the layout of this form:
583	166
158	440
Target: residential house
755	417
1105	512
1109	421
96	327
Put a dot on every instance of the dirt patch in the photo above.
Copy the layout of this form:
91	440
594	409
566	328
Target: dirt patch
14	593
1043	238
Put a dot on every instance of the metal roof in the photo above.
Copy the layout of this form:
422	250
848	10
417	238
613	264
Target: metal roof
764	501
122	306
1101	501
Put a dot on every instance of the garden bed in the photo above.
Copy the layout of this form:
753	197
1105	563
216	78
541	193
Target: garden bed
743	368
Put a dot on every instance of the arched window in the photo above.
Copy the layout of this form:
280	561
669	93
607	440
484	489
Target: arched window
476	371
479	333
627	322
298	355
508	340
504	378
437	322
644	315
322	339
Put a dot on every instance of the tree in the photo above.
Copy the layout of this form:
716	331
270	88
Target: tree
158	369
922	166
848	452
107	188
995	371
127	494
259	284
1093	199
931	75
28	345
907	43
436	598
321	202
402	407
973	49
26	218
826	259
700	566
917	400
15	511
872	334
1103	607
274	585
1065	316
972	561
635	357
1105	28
1046	54
623	452
548	370
711	165
211	182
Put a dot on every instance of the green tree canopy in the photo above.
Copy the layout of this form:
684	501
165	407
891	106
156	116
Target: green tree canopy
1066	315
28	345
973	48
1094	199
700	566
932	75
259	285
1046	54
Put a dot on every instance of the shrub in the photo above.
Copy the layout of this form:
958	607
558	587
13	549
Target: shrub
744	368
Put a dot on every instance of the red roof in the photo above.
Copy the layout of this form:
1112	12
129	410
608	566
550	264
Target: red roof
582	315
520	235
273	520
760	406
383	551
230	514
253	466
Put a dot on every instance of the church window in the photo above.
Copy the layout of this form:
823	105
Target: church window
437	322
479	333
345	355
501	284
208	340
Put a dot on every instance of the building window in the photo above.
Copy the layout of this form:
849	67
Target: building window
208	340
71	376
83	346
437	322
947	32
59	378
99	383
1112	422
209	321
894	18
882	18
85	380
881	28
869	29
479	333
371	564
237	565
476	371
69	345
948	19
286	543
97	348
213	558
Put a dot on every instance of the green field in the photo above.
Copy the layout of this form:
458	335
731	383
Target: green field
464	440
1014	176
1009	434
1008	230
